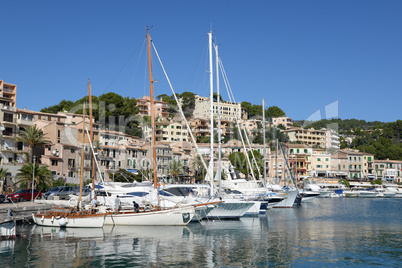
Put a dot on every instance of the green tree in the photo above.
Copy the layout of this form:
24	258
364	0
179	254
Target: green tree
64	105
199	169
43	176
175	167
275	111
32	136
4	173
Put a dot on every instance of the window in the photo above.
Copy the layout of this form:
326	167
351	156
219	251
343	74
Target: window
326	159
318	159
54	162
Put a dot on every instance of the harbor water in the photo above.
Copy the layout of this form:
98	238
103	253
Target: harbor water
328	232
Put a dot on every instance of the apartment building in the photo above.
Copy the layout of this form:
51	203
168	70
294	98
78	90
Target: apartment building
166	131
320	163
287	122
8	94
228	110
300	159
388	170
310	137
161	107
332	139
340	164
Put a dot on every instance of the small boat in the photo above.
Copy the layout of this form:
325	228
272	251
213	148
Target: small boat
65	217
7	227
74	216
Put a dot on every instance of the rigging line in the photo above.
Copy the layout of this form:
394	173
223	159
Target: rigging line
136	66
284	156
231	97
248	141
121	69
182	114
197	66
245	131
227	85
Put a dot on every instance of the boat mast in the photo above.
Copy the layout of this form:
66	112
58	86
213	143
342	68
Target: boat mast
91	134
151	96
218	173
82	153
211	85
263	137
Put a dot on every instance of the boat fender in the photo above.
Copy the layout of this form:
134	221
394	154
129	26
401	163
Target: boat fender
52	219
43	218
62	222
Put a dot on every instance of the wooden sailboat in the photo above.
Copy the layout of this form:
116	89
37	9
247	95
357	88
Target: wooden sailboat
155	215
71	217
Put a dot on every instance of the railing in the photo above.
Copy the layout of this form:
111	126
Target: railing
8	90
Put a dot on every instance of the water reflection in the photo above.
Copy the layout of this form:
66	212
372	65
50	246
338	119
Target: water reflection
326	233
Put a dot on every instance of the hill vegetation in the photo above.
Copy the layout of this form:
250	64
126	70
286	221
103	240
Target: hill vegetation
378	138
111	110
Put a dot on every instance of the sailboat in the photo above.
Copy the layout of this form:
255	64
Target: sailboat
153	215
75	216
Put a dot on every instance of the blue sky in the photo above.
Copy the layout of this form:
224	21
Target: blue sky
299	55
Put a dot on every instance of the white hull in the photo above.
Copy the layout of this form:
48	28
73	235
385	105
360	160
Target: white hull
176	216
386	194
367	194
289	200
7	230
255	210
93	221
202	212
350	194
230	210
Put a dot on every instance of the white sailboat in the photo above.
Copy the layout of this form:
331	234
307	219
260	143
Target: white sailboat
153	215
75	216
231	208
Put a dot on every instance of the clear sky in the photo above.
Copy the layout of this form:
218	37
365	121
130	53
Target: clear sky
299	55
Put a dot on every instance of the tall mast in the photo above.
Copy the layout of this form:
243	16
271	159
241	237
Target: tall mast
218	173
211	85
263	137
82	152
151	96
91	134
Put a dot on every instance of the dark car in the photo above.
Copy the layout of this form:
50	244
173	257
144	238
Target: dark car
24	194
65	191
2	198
52	192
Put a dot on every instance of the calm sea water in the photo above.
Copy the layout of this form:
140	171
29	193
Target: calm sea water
333	232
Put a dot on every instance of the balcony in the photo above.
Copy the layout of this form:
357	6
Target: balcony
7	148
8	108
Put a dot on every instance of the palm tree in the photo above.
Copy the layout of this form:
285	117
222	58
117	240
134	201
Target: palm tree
43	176
174	168
32	136
3	173
199	168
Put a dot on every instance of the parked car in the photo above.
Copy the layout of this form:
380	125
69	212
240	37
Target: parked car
65	191
2	198
52	192
23	195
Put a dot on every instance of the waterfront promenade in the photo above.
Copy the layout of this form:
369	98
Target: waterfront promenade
22	210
